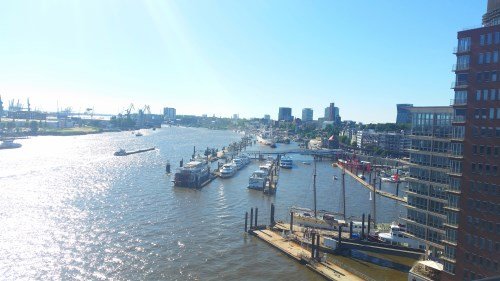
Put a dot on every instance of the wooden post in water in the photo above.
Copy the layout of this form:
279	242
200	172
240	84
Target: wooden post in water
246	221
291	222
313	244
314	187
374	207
181	163
256	214
340	236
272	214
363	227
167	168
380	183
350	230
317	246
369	219
251	218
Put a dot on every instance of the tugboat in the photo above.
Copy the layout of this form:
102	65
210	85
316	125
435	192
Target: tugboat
9	144
194	174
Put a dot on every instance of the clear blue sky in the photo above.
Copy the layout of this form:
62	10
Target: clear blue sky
226	56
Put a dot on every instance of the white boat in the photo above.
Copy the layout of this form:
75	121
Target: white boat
9	144
323	220
238	163
245	158
228	170
265	138
398	237
138	134
286	162
258	180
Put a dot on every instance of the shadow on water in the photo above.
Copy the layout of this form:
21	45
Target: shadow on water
364	256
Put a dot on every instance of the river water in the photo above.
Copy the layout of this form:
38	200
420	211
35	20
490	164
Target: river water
69	209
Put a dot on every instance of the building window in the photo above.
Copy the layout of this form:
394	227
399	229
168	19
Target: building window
495	56
493	76
493	93
487	57
492	113
449	267
489	39
482	39
478	95
485	95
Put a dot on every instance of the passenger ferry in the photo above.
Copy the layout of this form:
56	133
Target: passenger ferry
286	162
194	174
228	170
258	180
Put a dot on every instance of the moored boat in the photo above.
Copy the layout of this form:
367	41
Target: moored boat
286	162
228	170
194	174
398	237
258	180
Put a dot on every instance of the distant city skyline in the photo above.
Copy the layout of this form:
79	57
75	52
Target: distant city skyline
245	58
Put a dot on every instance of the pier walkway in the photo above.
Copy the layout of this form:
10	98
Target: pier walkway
370	187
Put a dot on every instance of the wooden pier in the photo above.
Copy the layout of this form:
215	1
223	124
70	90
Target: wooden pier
325	268
371	188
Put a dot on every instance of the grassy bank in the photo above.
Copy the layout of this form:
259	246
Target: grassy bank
68	131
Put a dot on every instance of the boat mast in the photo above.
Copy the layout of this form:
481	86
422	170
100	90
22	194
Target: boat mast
314	187
343	189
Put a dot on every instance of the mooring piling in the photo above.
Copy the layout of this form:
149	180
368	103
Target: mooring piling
272	214
363	227
251	218
246	221
256	214
291	222
369	219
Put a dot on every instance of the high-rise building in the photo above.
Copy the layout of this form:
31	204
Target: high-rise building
472	244
307	115
429	180
285	114
169	113
404	115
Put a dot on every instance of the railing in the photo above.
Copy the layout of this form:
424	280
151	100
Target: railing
459	50
459	84
459	118
461	101
460	66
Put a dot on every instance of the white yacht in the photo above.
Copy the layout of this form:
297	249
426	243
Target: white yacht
397	236
239	163
228	170
257	180
286	162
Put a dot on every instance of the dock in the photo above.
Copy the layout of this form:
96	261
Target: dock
371	188
327	269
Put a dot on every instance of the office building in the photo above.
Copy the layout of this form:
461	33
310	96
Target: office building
285	114
472	244
169	113
403	115
307	115
429	180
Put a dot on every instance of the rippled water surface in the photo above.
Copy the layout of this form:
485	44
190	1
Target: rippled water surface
69	209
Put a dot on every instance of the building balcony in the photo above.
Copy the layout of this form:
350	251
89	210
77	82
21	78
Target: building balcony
451	208
461	50
459	119
458	102
426	196
448	259
456	156
459	84
451	243
454	173
441	231
426	181
460	67
454	226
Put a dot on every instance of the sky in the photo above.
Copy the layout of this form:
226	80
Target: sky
229	57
